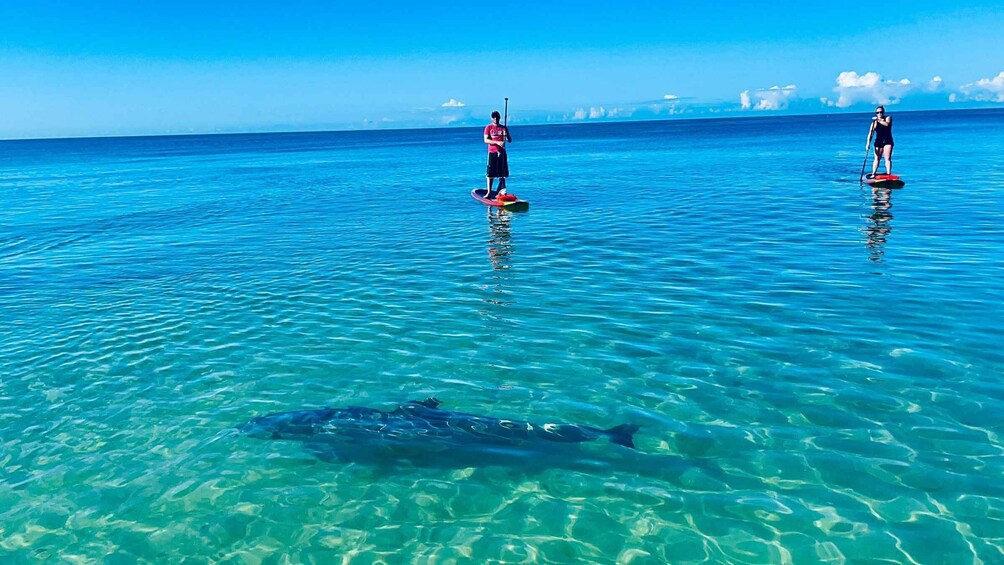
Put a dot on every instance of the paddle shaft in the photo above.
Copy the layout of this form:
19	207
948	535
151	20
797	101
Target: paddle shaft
505	119
505	139
868	146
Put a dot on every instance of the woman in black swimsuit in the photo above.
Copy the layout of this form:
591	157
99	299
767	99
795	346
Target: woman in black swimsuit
882	128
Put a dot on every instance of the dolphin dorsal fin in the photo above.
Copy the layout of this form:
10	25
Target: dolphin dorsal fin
431	402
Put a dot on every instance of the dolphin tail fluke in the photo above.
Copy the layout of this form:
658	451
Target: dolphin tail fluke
622	434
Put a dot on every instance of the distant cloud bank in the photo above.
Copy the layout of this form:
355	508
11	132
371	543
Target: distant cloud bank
773	98
869	88
853	91
595	113
983	90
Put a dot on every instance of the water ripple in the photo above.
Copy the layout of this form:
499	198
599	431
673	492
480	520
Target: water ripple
813	364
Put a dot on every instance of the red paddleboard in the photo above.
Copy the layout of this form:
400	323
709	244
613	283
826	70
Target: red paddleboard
506	201
884	181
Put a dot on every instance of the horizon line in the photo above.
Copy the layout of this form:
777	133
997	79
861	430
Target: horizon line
530	124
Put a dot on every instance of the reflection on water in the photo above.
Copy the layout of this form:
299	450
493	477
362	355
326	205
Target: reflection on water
500	256
498	314
500	240
879	223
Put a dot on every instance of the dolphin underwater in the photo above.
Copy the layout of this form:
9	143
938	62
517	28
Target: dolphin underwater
421	433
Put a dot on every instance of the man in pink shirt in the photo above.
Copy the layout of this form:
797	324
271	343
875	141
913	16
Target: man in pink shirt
496	136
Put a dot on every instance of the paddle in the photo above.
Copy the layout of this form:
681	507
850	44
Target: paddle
505	122
868	145
506	138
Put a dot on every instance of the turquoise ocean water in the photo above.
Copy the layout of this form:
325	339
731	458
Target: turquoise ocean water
816	368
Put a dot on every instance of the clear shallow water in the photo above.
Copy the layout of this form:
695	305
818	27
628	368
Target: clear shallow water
816	368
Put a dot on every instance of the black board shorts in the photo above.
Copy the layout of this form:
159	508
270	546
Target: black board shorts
498	165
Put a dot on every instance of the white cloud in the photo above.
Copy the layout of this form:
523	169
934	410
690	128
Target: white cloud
670	97
983	90
935	84
593	113
620	112
869	88
773	98
453	103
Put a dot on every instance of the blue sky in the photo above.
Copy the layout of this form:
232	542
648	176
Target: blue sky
152	67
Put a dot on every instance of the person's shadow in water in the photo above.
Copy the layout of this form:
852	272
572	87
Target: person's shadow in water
879	224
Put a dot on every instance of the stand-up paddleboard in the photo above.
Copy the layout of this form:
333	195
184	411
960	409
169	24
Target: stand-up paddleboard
506	201
884	181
